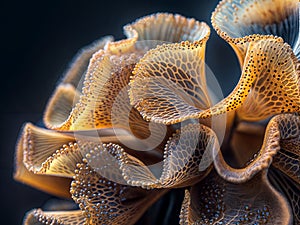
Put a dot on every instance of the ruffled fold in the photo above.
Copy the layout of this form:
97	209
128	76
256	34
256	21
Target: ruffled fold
163	28
287	160
49	152
187	159
169	83
106	202
215	201
67	93
40	217
58	186
109	71
239	22
163	93
278	148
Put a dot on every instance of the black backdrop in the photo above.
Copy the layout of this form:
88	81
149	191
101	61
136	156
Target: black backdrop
38	39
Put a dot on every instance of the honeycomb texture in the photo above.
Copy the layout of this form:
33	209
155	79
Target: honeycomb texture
287	159
215	201
106	202
169	83
269	85
41	144
279	147
237	20
187	159
39	217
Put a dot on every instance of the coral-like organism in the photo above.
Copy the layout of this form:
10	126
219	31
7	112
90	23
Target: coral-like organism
135	118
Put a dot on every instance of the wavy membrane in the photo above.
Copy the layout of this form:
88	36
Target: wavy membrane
169	83
68	91
279	148
60	106
106	202
104	160
287	160
216	201
49	152
39	217
80	62
187	159
106	75
53	153
110	69
58	186
169	28
163	95
269	83
238	21
276	87
110	75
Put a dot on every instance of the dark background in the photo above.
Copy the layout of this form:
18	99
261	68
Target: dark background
38	39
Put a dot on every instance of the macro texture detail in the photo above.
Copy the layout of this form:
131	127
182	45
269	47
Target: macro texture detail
132	120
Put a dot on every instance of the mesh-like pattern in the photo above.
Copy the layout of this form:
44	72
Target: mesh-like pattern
169	83
108	74
276	86
268	85
39	217
63	161
114	90
281	137
106	202
168	28
58	186
215	201
60	106
234	20
288	158
66	94
109	71
187	152
40	144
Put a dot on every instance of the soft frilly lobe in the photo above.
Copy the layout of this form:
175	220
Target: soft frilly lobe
187	159
167	28
98	188
110	69
39	217
67	93
241	21
167	86
106	202
279	147
287	159
134	118
49	152
31	170
169	83
269	84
